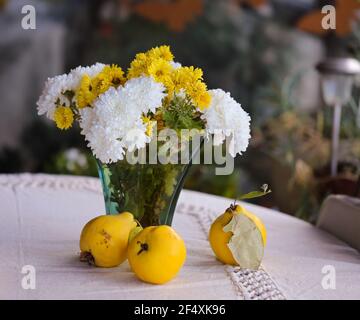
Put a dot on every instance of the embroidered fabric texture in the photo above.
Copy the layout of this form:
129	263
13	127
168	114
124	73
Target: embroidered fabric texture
248	284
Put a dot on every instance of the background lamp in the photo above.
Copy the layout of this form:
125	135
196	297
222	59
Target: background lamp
337	77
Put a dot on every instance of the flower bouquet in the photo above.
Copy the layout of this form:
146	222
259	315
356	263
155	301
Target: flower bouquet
137	123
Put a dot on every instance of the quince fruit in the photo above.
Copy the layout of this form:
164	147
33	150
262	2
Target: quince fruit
156	254
238	237
104	239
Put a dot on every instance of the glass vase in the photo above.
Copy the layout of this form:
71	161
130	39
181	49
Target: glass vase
149	191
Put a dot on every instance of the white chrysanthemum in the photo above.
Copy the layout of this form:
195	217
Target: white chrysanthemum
106	147
54	87
114	125
225	118
144	93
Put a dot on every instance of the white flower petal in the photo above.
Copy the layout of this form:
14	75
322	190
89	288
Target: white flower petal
225	118
175	65
145	93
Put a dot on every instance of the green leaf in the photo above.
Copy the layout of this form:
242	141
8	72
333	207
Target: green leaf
255	194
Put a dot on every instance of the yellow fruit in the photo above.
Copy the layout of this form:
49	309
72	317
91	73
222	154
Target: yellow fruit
238	237
219	239
156	254
104	239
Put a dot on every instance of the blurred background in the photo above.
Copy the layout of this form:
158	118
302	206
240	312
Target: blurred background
263	51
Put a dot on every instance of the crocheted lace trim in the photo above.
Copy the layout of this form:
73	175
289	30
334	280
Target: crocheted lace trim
248	284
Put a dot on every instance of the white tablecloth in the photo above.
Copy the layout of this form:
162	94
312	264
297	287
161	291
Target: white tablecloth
41	217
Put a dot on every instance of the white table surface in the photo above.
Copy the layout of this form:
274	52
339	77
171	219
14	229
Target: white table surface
41	217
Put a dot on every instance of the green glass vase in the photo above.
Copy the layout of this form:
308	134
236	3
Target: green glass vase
149	191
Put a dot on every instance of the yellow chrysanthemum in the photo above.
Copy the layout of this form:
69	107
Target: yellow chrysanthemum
138	66
85	94
109	76
114	74
63	117
159	69
198	93
178	80
203	100
150	124
169	85
185	78
192	73
189	74
100	83
162	52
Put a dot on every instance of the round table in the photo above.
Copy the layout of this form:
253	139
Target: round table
42	217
